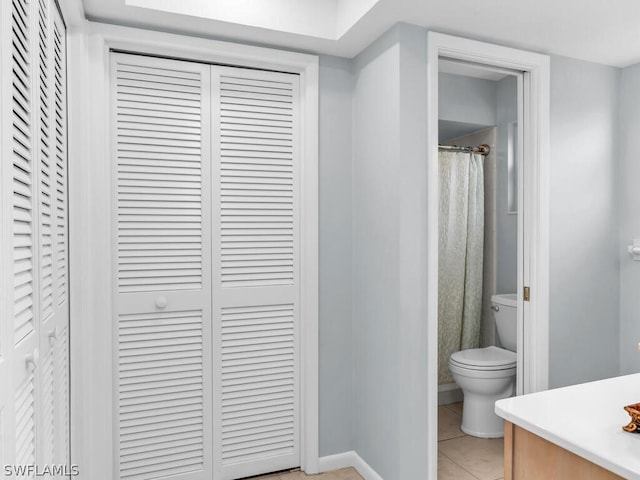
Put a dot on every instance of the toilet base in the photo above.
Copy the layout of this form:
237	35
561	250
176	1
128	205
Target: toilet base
482	434
478	414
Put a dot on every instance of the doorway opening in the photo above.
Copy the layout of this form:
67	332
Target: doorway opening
521	146
478	250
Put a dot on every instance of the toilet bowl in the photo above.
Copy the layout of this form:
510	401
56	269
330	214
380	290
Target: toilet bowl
488	374
484	375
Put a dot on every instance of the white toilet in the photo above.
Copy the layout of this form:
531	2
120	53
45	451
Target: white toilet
488	374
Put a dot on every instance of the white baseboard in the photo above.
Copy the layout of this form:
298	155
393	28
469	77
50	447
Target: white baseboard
345	460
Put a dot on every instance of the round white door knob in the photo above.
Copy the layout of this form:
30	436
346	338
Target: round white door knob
161	302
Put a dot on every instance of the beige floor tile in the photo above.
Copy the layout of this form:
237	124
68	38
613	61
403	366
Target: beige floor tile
293	476
481	457
343	474
269	476
447	470
455	407
448	424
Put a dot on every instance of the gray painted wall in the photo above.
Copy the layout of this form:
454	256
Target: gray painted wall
584	322
465	105
335	316
375	253
412	389
629	218
467	99
389	254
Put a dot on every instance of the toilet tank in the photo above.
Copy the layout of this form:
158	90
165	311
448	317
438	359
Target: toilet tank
505	311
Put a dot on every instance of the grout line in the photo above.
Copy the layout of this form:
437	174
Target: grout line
462	434
453	438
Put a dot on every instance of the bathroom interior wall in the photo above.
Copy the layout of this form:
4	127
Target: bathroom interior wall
465	105
336	334
507	223
584	325
629	201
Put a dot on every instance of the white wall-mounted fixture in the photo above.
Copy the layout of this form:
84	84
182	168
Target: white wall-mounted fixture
634	249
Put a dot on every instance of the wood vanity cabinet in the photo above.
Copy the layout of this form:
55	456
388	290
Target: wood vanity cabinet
530	457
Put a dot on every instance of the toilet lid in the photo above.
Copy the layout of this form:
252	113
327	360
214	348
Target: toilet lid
488	358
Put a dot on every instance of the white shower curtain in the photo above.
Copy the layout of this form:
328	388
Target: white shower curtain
460	256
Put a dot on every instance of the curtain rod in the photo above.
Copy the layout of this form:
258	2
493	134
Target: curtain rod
483	149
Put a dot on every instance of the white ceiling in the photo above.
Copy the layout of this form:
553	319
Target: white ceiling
606	32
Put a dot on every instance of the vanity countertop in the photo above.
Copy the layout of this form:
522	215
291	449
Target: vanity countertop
586	419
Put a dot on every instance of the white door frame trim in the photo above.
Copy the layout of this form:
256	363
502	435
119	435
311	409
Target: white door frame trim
90	228
533	338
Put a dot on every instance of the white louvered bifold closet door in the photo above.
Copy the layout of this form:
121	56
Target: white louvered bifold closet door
162	275
206	269
34	411
256	270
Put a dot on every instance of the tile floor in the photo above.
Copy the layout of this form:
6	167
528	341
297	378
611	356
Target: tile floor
344	474
462	457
